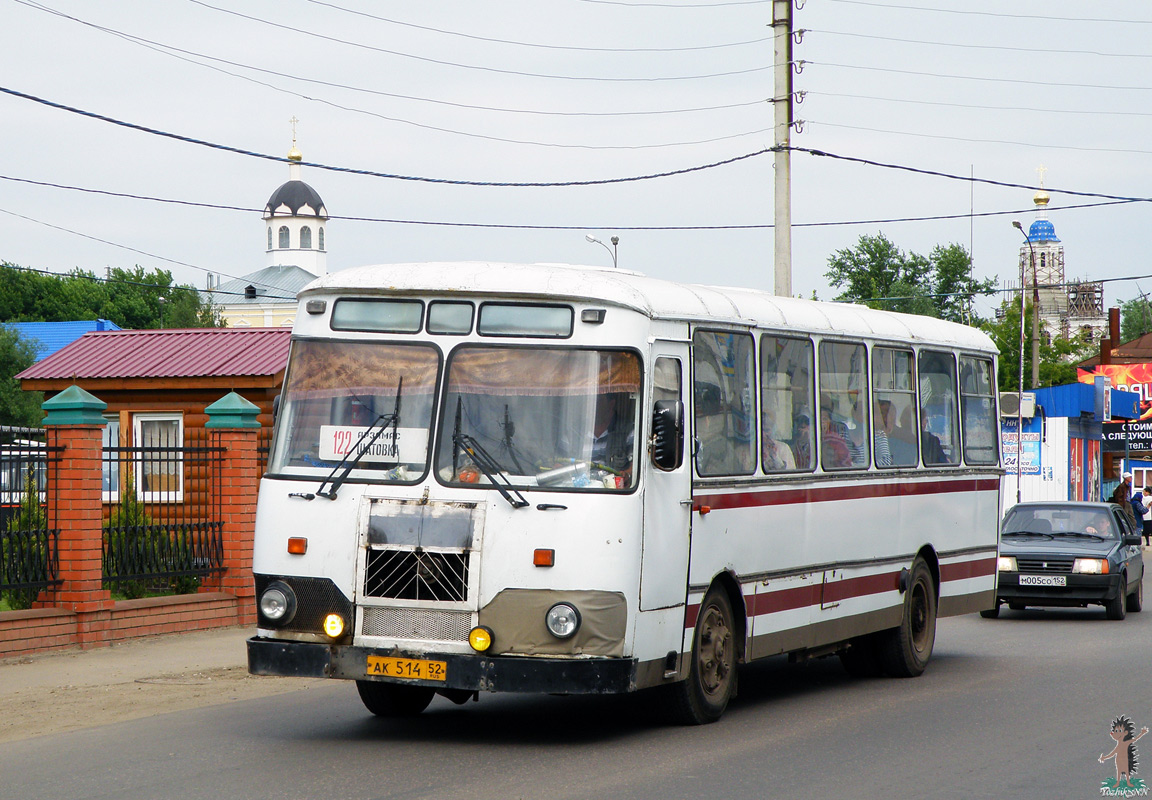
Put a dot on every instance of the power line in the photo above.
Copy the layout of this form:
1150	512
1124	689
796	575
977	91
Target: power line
396	221
1075	111
541	46
1047	51
440	62
923	74
1045	17
371	173
980	141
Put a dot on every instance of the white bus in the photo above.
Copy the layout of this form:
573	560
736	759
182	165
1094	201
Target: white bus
544	478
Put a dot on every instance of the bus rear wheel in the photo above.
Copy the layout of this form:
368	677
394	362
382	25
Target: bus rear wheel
394	700
905	650
711	682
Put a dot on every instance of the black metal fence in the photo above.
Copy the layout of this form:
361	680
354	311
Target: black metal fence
163	528
29	556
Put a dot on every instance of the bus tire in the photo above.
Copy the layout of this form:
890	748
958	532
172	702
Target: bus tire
392	699
991	613
905	650
711	681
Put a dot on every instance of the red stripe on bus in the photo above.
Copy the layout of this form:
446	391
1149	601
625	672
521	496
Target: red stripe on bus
819	494
838	591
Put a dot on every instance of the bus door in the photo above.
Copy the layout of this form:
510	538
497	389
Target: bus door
667	486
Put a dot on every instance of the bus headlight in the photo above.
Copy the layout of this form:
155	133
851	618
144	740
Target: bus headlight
278	603
334	626
1006	564
1090	566
562	620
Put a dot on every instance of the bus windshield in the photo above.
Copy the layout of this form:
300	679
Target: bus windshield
337	396
559	418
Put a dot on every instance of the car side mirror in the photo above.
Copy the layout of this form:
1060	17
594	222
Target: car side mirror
667	445
1132	539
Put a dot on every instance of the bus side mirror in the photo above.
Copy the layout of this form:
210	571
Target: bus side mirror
667	448
275	407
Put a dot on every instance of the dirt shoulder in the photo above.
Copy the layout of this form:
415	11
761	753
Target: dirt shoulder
73	689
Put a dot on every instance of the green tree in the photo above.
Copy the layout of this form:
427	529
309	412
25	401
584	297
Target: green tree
17	407
1058	355
878	273
1135	318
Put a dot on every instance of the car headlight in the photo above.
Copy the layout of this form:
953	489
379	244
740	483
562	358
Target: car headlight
1006	564
563	620
1090	566
278	603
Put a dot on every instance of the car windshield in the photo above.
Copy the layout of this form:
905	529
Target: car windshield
551	417
1060	521
338	395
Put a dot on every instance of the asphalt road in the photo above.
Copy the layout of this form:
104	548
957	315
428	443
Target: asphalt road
1015	707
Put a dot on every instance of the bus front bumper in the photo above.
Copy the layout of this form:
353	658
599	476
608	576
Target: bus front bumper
467	672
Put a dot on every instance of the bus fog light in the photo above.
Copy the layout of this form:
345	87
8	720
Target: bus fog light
278	603
480	638
334	626
563	620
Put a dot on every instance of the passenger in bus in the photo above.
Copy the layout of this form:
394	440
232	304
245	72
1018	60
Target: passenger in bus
802	441
855	435
930	444
833	447
882	423
776	455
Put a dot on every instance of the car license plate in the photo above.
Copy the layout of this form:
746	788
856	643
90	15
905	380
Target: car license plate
1043	580
408	668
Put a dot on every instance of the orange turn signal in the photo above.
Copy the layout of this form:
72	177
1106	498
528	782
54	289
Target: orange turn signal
297	545
543	558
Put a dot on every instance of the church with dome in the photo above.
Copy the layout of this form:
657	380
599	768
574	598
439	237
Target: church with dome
295	222
1066	308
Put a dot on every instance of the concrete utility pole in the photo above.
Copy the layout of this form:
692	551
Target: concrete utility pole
782	108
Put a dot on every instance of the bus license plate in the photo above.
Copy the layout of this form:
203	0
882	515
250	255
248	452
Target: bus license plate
408	668
1043	580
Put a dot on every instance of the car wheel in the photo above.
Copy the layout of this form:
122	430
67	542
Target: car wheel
394	700
1118	607
1017	606
711	682
905	650
1136	599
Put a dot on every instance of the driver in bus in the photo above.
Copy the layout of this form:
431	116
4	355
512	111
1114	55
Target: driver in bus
613	434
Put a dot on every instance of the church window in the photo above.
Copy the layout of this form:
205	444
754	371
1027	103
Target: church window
320	242
269	237
305	238
284	237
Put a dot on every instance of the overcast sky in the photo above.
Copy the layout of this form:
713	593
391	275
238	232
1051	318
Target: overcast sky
568	91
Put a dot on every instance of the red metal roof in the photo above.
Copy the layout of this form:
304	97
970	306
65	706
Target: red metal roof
182	353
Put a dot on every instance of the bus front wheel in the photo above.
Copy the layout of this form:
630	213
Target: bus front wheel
907	648
711	681
394	700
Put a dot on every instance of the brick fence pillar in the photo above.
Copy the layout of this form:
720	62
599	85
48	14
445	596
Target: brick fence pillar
232	421
74	414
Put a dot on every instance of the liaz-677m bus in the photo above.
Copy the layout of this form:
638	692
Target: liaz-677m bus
544	478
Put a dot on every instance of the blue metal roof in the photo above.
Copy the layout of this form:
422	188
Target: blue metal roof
1042	231
48	337
1076	399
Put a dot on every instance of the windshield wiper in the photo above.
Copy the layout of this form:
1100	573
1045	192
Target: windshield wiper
353	456
1028	533
484	460
1080	533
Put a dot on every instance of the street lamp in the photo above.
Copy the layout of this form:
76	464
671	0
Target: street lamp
1020	392
615	241
162	300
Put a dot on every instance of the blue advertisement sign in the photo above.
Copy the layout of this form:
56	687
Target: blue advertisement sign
1029	447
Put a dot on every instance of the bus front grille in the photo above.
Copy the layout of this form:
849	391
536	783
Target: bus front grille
417	623
416	574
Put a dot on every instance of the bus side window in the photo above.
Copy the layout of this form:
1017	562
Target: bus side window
723	385
939	428
978	411
844	438
786	373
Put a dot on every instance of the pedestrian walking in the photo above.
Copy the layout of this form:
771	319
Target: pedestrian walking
1148	516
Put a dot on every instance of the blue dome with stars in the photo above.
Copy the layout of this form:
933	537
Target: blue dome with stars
1042	231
